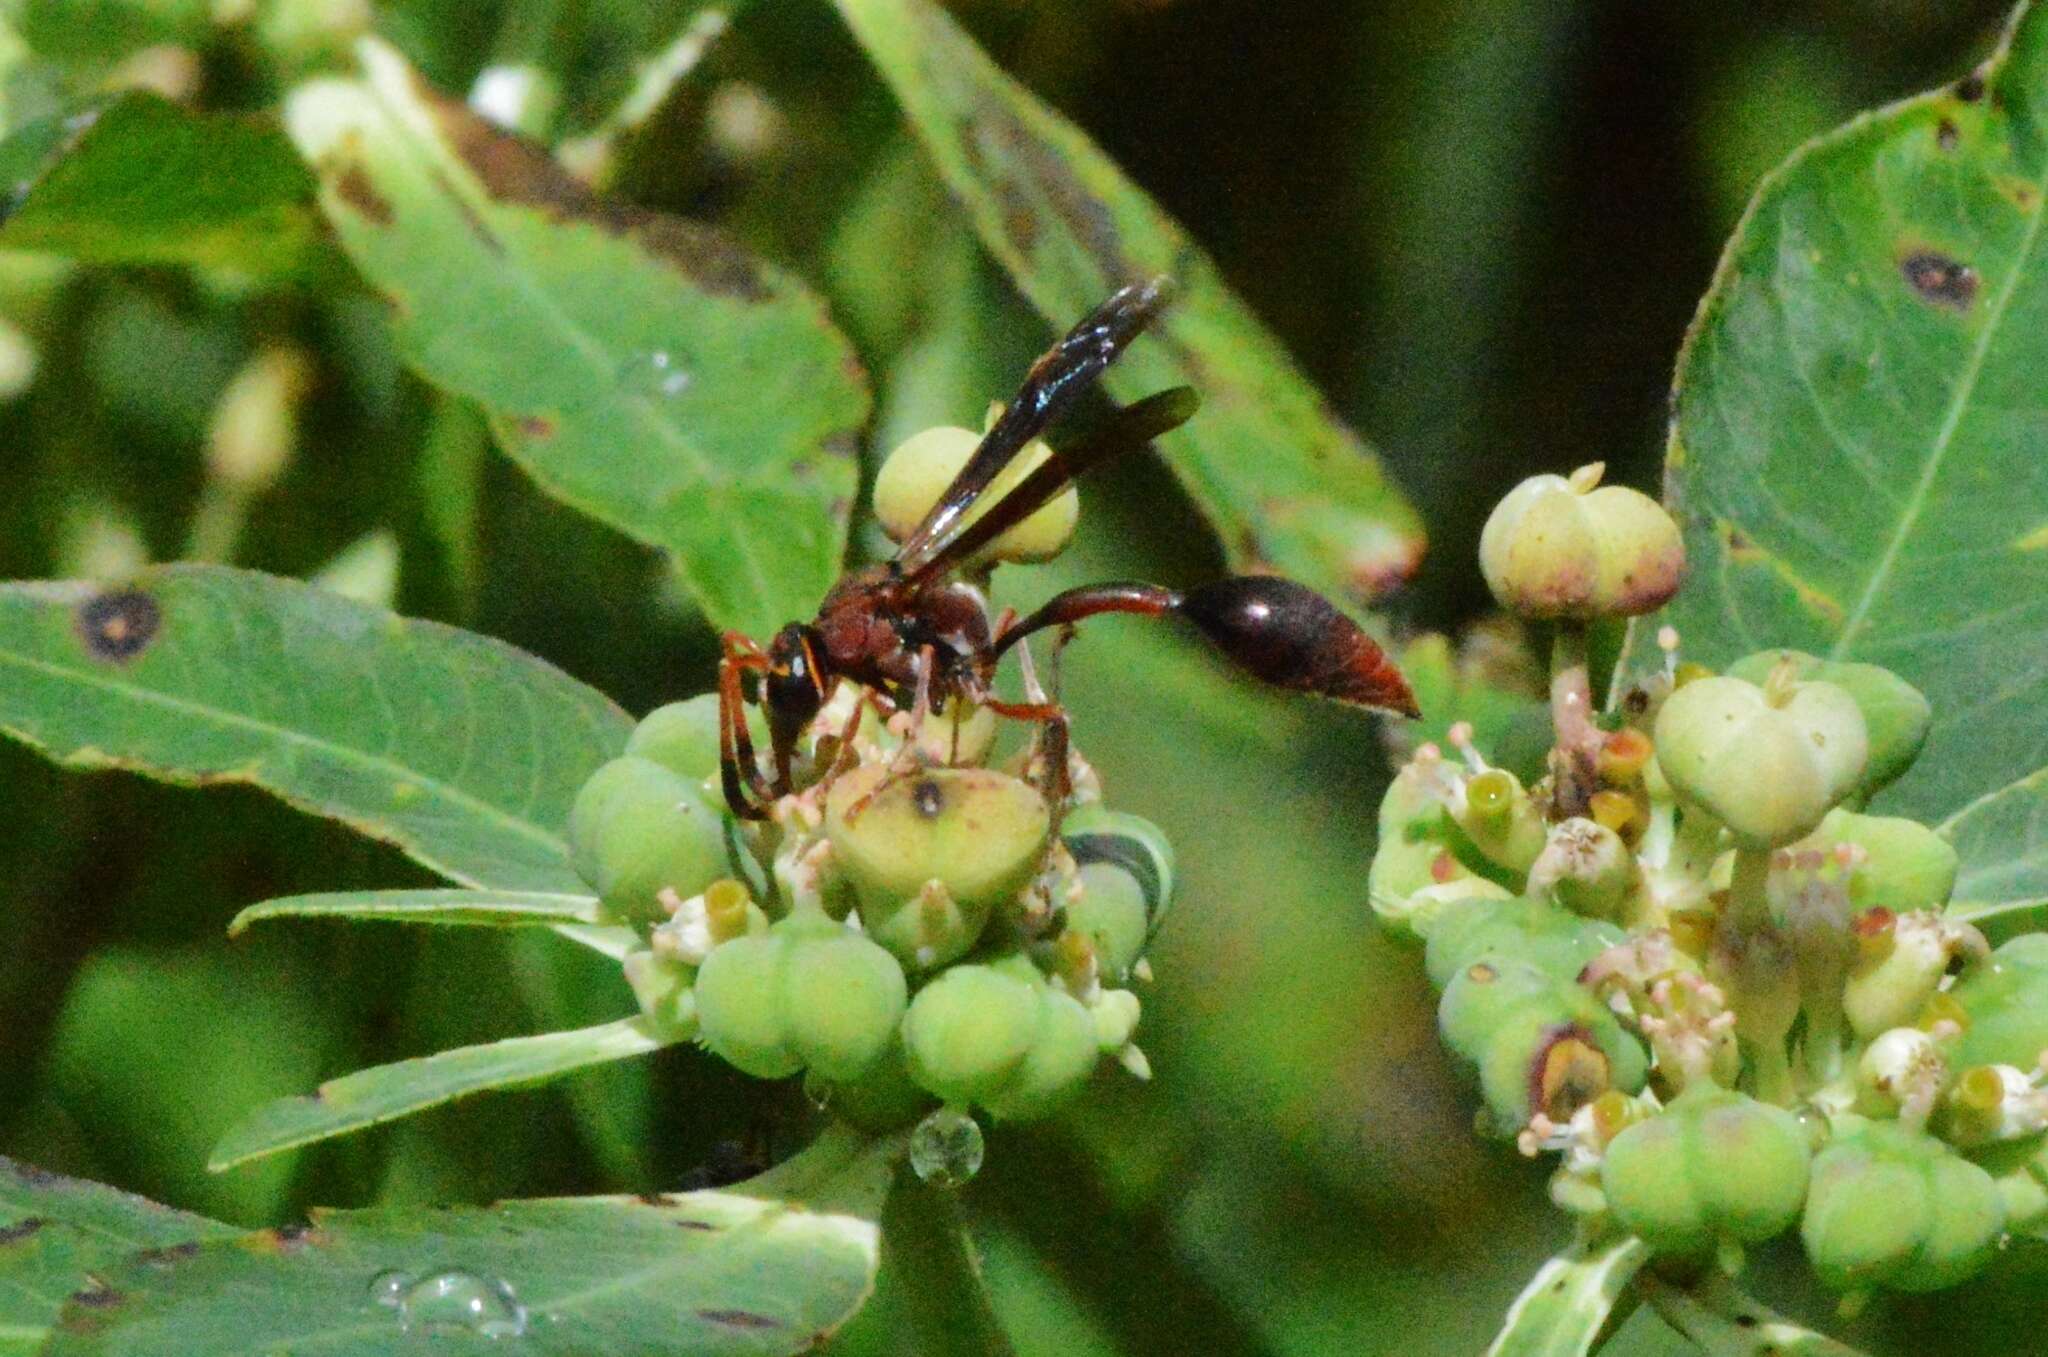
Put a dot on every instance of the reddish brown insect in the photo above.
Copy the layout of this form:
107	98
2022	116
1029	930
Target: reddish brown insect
906	631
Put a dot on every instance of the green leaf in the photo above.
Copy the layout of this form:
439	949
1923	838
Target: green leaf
486	909
104	29
464	752
386	1092
1567	1303
772	1266
1722	1321
1856	453
136	179
1286	484
640	367
58	1233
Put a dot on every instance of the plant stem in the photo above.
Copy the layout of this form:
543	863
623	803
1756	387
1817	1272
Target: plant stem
1573	762
955	1265
1723	1321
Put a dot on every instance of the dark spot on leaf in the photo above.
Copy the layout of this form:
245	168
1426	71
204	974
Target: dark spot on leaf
842	445
651	1199
1970	88
355	189
1946	136
119	624
289	1238
928	797
536	426
96	1295
1086	217
695	1225
840	507
740	1319
802	469
169	1254
1745	1321
20	1230
1940	280
31	1175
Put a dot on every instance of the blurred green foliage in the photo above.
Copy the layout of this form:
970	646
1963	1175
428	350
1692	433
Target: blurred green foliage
1480	229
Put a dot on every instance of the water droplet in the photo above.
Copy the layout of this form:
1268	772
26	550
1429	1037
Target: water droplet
456	1301
658	373
389	1287
946	1148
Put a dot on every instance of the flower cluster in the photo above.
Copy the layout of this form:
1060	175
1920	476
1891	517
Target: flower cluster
917	924
1687	958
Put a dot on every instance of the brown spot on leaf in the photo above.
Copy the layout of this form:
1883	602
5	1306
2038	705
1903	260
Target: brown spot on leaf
284	1239
20	1230
687	1224
1086	217
802	469
514	169
1971	87
1946	136
840	508
740	1319
119	624
169	1254
1940	280
536	426
843	445
31	1175
353	186
651	1199
96	1295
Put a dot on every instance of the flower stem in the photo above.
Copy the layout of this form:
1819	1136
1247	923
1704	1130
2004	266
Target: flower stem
1575	758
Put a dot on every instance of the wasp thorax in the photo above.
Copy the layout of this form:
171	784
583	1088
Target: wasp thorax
916	474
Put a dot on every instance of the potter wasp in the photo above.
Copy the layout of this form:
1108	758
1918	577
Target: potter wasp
909	632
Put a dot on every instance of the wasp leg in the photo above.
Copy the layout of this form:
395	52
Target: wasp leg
738	769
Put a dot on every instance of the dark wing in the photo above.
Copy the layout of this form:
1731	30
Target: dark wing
1131	428
1055	380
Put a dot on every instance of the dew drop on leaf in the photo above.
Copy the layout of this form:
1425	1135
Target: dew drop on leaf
456	1301
389	1287
946	1148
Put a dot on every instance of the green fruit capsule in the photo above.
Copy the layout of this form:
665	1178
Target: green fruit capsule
1895	713
883	1099
1715	1165
1554	940
1585	867
2006	1000
1891	991
930	856
1127	878
1766	762
1570	547
1895	1208
637	828
968	1031
998	1036
682	737
810	993
914	476
1540	1044
1906	866
1414	852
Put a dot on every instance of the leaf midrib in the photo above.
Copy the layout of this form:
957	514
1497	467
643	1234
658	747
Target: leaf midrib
340	753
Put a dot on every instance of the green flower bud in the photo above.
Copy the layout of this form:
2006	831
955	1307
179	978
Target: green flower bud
998	1036
1501	819
930	855
682	737
1715	1165
811	993
1115	1013
1894	1207
2006	1000
1558	547
1555	941
1540	1044
1906	866
914	476
1895	713
1586	868
1891	991
1125	866
1767	763
638	828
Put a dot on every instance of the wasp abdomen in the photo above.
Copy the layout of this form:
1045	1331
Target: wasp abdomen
1292	637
